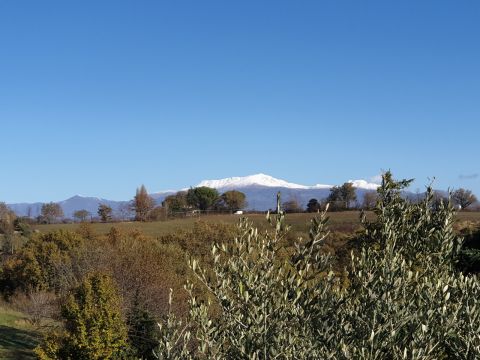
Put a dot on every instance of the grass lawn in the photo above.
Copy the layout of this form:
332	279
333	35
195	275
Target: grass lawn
17	337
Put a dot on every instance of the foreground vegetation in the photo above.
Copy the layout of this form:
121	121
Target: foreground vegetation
17	336
397	284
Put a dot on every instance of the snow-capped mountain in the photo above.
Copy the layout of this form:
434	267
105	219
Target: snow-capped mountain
270	181
260	190
252	180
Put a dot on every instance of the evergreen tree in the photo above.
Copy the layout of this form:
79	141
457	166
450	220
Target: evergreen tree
202	197
105	212
313	205
94	328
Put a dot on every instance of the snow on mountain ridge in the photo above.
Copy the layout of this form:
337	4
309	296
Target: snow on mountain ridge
257	179
239	182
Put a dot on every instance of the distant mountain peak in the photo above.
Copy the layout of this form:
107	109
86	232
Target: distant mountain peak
79	197
251	180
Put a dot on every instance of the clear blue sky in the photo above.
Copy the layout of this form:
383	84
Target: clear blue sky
98	97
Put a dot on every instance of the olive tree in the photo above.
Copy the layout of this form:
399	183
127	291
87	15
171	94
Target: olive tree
402	297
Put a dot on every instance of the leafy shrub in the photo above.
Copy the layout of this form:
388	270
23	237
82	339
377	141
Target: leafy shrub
21	224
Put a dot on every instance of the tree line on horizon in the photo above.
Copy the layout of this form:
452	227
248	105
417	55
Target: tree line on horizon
205	199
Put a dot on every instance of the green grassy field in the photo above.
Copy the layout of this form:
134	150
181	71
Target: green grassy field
346	221
17	337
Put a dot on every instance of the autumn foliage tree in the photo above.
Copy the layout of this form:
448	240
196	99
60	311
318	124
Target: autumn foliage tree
292	206
81	215
51	211
142	204
463	198
7	218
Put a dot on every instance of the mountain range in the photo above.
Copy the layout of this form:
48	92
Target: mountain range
260	190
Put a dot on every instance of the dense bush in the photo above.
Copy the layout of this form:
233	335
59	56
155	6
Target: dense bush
94	328
404	298
143	268
198	241
46	262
